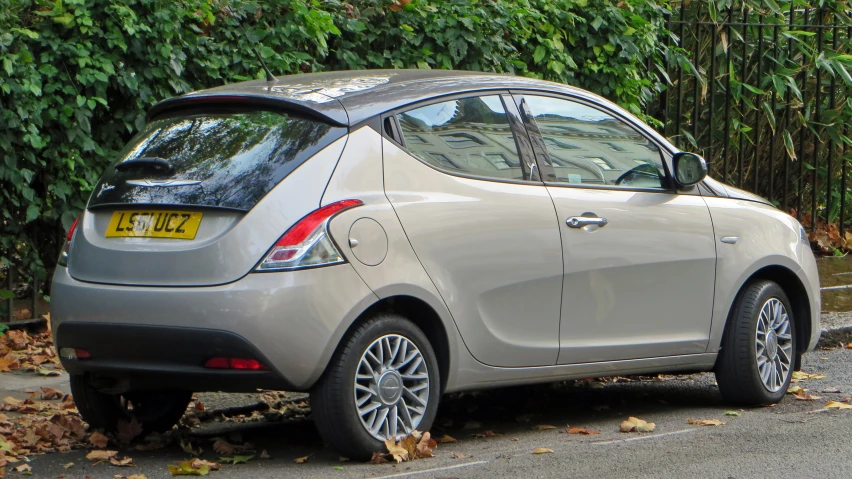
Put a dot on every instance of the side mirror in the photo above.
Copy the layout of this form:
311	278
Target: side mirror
689	168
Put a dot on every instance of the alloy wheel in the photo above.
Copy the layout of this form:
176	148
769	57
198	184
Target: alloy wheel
773	344
391	387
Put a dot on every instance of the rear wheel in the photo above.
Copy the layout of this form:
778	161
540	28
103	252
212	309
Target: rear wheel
758	348
382	383
157	411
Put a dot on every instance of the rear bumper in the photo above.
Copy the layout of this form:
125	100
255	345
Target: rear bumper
290	321
163	357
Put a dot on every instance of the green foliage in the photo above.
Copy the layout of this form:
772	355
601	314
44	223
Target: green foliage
76	76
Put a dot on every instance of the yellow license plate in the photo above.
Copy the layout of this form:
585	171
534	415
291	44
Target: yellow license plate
154	224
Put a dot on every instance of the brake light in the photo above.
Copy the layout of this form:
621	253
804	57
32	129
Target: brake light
66	248
307	243
71	230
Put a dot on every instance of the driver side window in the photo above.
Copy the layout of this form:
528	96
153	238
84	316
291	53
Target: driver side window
587	146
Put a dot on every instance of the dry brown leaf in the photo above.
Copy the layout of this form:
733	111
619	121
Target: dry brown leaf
98	440
48	393
542	450
705	422
486	433
447	439
197	463
17	340
301	460
125	462
634	424
398	452
458	455
223	447
8	362
837	405
543	427
831	390
99	455
804	396
24	468
379	458
800	375
264	454
795	389
582	430
128	430
425	446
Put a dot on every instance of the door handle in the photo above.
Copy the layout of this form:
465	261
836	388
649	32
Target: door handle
584	220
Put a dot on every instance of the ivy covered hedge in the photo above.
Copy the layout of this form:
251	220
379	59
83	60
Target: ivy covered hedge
76	76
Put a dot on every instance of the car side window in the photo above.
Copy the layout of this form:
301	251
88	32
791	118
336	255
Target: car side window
466	135
587	146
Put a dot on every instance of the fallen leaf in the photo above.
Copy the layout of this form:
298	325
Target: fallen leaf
837	405
447	439
197	463
634	424
425	445
236	459
542	450
795	389
98	440
582	430
800	375
126	462
337	468
343	459
99	456
70	464
804	396
264	454
398	452
17	340
24	468
458	455
184	468
379	458
732	413
301	460
486	433
705	422
187	448
222	446
831	390
47	372
135	476
48	393
543	427
127	431
8	362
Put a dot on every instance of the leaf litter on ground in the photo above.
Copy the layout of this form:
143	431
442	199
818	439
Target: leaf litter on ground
634	424
416	445
582	430
705	422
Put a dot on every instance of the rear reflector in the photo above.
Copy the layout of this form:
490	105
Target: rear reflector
71	353
235	363
71	230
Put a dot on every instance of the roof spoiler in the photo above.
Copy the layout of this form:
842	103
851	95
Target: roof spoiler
329	112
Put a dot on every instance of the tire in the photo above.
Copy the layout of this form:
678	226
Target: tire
741	378
333	399
157	411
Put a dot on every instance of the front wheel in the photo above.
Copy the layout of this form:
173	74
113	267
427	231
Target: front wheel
382	383
758	348
156	411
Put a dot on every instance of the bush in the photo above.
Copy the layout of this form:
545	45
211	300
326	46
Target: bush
77	76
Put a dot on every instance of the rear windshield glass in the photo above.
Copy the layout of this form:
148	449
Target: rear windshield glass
225	160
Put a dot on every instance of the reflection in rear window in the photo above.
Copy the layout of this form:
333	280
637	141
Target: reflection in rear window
228	160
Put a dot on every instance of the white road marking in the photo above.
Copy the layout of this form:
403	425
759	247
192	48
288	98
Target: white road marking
830	288
653	436
432	470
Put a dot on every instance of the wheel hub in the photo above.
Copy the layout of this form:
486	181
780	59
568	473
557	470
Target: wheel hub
772	345
390	387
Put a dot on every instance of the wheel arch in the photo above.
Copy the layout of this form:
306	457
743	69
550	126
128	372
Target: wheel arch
422	314
796	292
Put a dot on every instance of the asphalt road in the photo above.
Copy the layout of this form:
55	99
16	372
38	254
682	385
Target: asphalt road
793	439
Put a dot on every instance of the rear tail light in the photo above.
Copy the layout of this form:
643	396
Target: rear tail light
66	248
71	353
307	243
236	363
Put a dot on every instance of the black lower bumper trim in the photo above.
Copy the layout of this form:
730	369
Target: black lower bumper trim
164	357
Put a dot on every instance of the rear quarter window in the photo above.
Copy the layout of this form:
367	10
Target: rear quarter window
225	160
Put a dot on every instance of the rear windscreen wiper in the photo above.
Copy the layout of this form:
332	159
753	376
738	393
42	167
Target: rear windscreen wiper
160	165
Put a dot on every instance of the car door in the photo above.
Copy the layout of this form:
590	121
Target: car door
639	257
482	224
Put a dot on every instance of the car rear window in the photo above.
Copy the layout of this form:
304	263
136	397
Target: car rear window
225	160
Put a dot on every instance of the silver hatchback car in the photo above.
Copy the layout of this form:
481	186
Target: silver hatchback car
379	238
